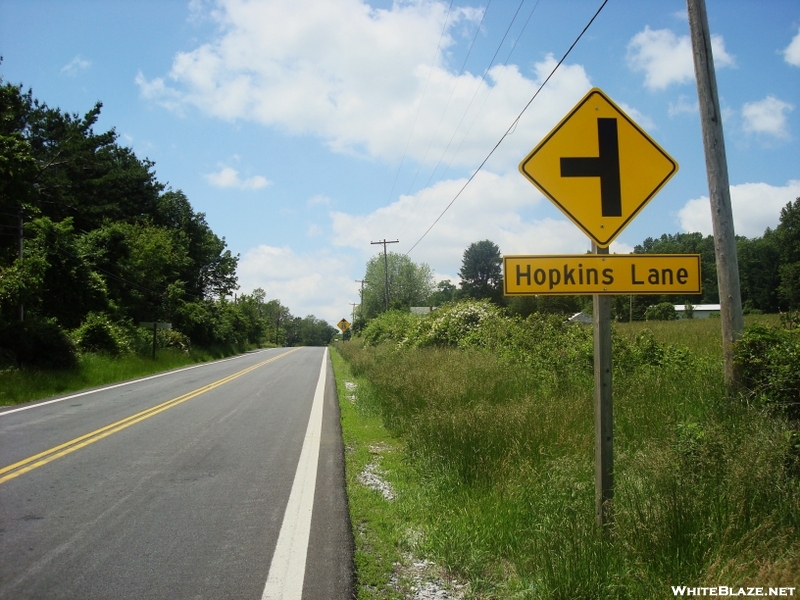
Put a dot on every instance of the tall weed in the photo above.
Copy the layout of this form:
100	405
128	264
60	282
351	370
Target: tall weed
498	422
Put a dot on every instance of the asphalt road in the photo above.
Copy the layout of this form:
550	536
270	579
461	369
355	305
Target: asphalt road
185	496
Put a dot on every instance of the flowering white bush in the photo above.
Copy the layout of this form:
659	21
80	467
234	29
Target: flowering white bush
451	325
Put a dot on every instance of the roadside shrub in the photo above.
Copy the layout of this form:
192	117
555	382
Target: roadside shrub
770	362
663	311
38	343
99	334
644	349
453	325
791	319
172	338
392	326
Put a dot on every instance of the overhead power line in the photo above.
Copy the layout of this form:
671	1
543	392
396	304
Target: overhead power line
424	91
511	127
463	116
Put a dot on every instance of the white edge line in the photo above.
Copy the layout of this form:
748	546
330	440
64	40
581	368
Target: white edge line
129	382
288	567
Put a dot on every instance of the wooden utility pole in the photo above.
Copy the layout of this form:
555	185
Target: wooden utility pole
386	267
730	297
20	238
603	407
361	306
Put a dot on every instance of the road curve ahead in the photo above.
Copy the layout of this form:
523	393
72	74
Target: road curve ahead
224	480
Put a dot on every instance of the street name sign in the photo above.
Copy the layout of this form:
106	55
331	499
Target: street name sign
151	325
598	167
577	274
343	325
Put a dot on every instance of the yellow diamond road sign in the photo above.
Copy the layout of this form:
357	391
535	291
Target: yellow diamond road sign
343	325
599	167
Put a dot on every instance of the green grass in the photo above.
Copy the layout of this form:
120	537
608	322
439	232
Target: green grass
500	453
702	335
379	526
23	385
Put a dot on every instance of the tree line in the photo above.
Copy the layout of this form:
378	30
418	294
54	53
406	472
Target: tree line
107	246
769	269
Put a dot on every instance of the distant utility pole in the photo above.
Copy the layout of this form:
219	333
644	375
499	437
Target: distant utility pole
20	237
353	304
719	190
386	267
361	306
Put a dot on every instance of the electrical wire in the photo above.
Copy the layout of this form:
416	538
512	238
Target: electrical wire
452	92
486	98
511	127
477	89
424	92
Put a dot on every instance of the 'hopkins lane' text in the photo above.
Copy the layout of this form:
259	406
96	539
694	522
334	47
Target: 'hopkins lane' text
602	274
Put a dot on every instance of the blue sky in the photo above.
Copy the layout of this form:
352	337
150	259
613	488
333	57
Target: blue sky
304	130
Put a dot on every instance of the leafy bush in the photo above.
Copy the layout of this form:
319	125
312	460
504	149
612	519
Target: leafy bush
453	325
37	343
99	334
542	342
663	311
392	326
646	350
770	362
791	319
172	338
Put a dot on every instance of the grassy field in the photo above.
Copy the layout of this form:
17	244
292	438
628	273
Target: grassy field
494	469
93	370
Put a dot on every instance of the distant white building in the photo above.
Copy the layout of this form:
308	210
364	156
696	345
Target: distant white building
422	310
581	318
699	311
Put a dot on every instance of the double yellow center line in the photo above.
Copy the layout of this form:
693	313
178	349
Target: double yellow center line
37	460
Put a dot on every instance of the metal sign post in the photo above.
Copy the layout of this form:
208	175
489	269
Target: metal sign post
155	326
600	169
603	413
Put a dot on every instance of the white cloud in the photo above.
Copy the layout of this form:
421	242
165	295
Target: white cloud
791	53
666	58
346	72
157	90
315	283
638	117
490	208
767	116
319	200
756	206
683	106
229	178
75	66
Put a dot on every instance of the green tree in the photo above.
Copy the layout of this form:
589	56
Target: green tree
410	284
106	244
446	291
68	288
481	272
787	239
682	243
663	311
312	331
759	272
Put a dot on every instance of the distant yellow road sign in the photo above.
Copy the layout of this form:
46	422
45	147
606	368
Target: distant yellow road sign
578	274
343	325
599	167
